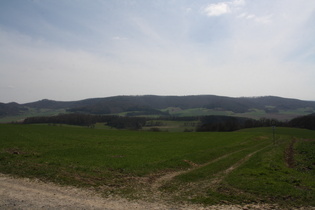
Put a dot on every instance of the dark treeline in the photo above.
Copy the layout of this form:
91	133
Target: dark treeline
206	123
120	122
307	122
70	119
177	118
134	123
227	123
89	120
138	111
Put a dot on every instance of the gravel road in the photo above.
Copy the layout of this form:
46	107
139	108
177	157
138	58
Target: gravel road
22	193
32	194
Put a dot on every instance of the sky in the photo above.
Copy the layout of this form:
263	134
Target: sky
76	49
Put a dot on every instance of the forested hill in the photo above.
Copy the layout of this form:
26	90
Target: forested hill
11	109
151	103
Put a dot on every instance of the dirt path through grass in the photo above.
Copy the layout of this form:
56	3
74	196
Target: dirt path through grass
32	194
22	193
167	177
289	154
221	175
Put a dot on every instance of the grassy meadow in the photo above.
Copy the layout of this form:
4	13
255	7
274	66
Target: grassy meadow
246	166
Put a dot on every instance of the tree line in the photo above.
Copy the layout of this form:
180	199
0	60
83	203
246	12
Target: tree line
307	122
227	123
206	123
89	120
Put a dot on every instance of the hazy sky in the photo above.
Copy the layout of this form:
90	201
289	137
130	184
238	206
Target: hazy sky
77	49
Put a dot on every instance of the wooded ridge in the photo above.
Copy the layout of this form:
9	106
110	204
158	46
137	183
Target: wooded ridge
153	103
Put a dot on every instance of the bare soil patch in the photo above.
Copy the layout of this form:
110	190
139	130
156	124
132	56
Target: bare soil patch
17	193
23	193
221	175
158	182
289	154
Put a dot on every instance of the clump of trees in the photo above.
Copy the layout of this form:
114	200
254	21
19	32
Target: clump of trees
227	123
89	120
307	122
134	123
138	111
206	123
220	123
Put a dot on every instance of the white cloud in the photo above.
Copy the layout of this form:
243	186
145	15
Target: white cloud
188	9
222	8
264	19
119	38
259	19
243	15
238	2
236	7
217	9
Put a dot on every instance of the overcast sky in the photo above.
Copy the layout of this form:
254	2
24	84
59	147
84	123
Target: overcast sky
78	49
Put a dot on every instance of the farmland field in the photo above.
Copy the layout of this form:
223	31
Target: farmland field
246	166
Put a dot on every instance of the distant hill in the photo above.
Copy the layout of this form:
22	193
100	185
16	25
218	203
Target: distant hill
158	104
10	109
117	104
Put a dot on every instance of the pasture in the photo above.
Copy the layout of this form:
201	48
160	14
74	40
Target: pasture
245	166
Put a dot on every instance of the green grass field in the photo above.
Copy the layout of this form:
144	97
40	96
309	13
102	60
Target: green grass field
208	168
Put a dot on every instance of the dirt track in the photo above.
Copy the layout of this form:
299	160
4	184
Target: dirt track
16	193
32	194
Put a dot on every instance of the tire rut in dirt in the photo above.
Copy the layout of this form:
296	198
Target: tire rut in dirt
219	177
158	182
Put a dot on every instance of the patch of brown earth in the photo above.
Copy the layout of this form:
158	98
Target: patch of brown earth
289	154
159	181
17	193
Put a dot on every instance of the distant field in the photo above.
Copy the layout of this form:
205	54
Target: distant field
282	115
246	166
31	113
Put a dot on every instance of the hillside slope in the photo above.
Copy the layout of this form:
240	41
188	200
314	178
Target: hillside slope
118	104
153	103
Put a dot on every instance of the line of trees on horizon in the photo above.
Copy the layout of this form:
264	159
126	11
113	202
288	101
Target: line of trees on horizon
206	123
133	123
